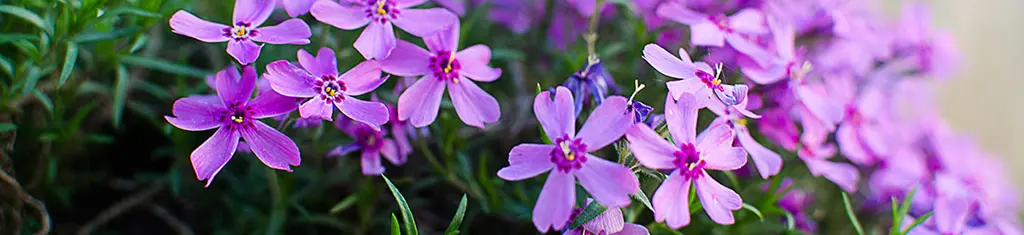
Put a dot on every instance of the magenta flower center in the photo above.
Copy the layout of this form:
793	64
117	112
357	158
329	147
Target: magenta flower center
569	153
709	80
722	22
330	88
241	31
688	161
237	115
381	10
854	115
445	66
369	139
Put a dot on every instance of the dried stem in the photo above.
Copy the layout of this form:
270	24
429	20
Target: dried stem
44	216
138	199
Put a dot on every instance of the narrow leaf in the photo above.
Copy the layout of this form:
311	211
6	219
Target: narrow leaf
593	210
130	11
6	66
408	222
453	227
754	210
643	199
30	81
120	93
849	213
7	126
395	228
917	222
27	15
790	221
69	62
13	37
165	66
104	36
43	99
345	203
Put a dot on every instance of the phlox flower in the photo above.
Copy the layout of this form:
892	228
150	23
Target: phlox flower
689	159
372	144
609	222
569	160
698	78
768	162
244	30
296	8
590	83
933	51
378	38
236	117
318	79
443	66
716	30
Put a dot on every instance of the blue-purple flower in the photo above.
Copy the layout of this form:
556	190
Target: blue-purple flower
244	31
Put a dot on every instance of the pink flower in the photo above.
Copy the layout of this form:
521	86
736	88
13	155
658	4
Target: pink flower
443	67
689	159
609	222
569	159
716	30
318	79
698	79
372	144
378	39
768	163
244	30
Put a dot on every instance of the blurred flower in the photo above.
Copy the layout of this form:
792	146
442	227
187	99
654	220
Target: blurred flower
697	78
609	222
458	6
372	143
245	31
296	8
318	80
518	15
794	201
933	51
590	83
444	67
378	38
235	117
690	156
716	30
768	163
569	159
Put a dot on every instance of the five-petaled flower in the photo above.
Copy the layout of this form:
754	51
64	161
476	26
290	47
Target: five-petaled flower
698	78
569	159
244	30
442	67
689	159
372	144
235	116
378	39
318	80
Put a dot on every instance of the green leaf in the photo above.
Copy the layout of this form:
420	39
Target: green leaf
14	37
43	99
754	210
7	126
165	66
407	220
593	210
120	93
104	36
30	81
453	227
899	213
853	217
6	66
917	222
100	139
790	221
130	11
27	15
345	203
69	63
642	198
395	230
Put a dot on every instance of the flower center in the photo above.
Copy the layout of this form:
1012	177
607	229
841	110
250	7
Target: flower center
330	88
381	10
798	73
445	66
569	154
688	161
741	122
237	115
722	22
239	31
369	138
709	80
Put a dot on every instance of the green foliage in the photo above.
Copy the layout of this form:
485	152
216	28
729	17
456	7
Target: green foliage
592	210
453	228
408	221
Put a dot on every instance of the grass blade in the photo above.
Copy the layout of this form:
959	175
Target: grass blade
453	228
754	210
69	63
917	222
345	203
408	222
27	15
120	94
395	228
165	66
849	213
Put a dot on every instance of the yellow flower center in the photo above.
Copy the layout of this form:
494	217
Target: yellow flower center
240	31
237	119
451	59
569	155
742	122
380	8
331	91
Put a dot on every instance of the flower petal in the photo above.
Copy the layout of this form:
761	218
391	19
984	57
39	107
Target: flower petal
842	174
681	118
951	214
401	4
376	41
715	137
370	162
607	222
425	22
272	147
233	88
608	182
325	62
445	40
748	20
184	23
769	75
606	124
474	61
253	12
344	149
293	31
632	229
706	33
526	161
270	104
420	102
244	51
369	112
458	6
316	107
668	64
690	86
555	203
214	153
290	80
850	146
473	105
756	53
784	36
556	116
363	78
768	162
391	151
732	95
678	12
671	201
344	17
718	201
407	59
296	8
196	113
649	148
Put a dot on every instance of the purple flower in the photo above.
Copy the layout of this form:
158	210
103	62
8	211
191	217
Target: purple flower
933	51
372	143
794	201
789	63
590	83
378	39
458	6
610	222
815	152
569	160
689	159
768	163
296	8
716	30
517	15
442	67
244	30
318	80
698	78
235	116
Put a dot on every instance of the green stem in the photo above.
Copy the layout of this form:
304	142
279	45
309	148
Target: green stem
452	179
591	36
277	214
